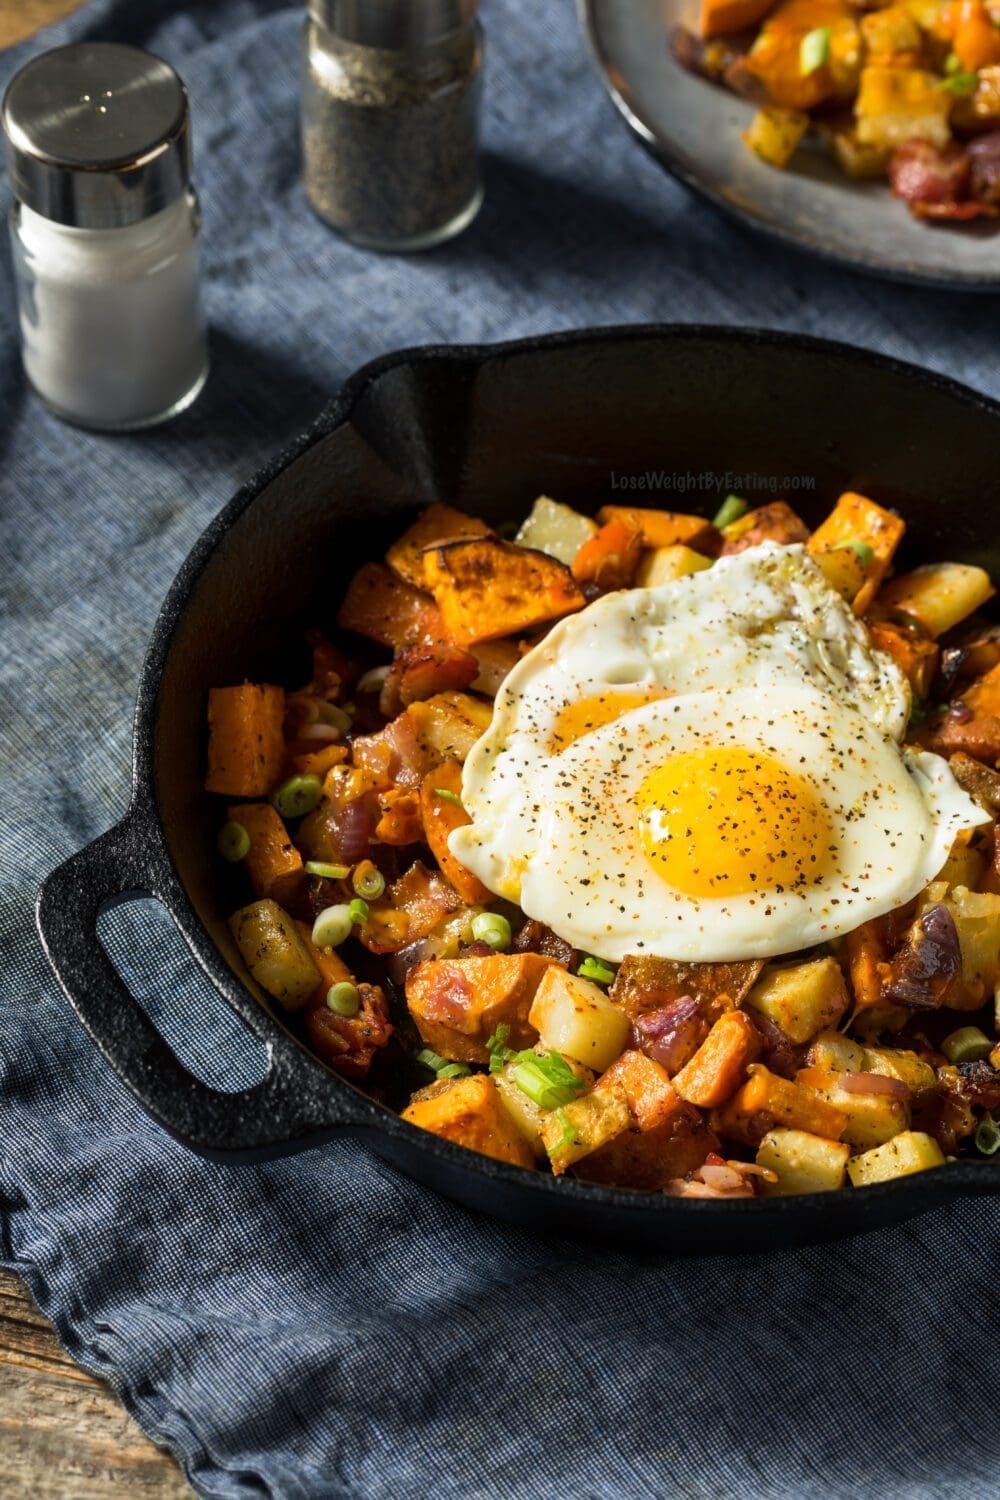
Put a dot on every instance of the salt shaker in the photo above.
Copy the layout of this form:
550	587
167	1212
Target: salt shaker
390	118
106	228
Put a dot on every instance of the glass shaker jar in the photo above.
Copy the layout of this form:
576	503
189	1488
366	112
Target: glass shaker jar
390	118
106	229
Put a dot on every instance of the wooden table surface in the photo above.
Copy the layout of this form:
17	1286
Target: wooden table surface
63	1435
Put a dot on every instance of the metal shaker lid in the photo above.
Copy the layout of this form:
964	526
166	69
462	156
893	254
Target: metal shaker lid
393	24
97	135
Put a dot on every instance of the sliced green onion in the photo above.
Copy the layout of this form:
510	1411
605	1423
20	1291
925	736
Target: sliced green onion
298	796
233	842
967	1044
368	881
960	83
814	50
952	64
987	1137
861	549
358	911
731	509
320	868
597	970
332	926
497	1047
446	796
569	1131
547	1079
440	1065
373	680
490	927
337	718
344	999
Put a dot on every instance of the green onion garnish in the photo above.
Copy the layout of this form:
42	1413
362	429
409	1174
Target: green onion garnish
344	999
597	970
967	1044
497	1047
446	796
814	50
332	926
368	881
233	842
861	549
569	1131
298	796
358	911
324	871
960	83
440	1065
489	927
546	1078
731	509
952	64
987	1137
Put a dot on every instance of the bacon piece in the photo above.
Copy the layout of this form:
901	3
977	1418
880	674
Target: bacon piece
348	1043
935	182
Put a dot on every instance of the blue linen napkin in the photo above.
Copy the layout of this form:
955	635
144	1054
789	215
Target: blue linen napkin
321	1326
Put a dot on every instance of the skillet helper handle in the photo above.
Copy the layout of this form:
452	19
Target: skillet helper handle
297	1098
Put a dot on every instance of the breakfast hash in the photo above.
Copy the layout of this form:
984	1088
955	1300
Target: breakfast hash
907	91
657	850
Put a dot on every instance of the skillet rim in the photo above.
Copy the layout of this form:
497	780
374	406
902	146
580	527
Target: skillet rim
360	1112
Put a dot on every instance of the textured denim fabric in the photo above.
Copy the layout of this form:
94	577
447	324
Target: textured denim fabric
322	1326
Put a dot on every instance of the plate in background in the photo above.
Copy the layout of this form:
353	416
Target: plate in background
693	127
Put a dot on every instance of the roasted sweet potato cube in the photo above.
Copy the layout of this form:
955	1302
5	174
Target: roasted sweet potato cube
329	964
441	815
610	558
494	660
421	671
648	1159
381	607
870	1119
246	746
470	1112
273	863
718	1066
458	1003
767	1100
855	518
665	528
488	588
776	522
438	523
645	983
649	1093
983	697
915	655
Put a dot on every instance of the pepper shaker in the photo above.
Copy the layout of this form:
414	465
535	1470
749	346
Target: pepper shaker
105	228
390	118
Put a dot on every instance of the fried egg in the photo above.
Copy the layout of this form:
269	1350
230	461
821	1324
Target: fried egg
708	770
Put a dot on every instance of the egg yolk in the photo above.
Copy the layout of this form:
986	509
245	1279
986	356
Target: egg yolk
728	821
582	715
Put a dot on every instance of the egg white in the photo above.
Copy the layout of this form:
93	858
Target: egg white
756	652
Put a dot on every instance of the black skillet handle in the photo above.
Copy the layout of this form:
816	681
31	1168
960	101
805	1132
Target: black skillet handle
296	1100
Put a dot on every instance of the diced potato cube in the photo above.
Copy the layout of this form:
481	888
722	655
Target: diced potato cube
664	564
556	529
528	1116
649	1160
910	1151
494	659
774	134
855	518
833	1051
872	1119
843	571
901	104
889	31
977	921
438	523
272	862
575	1017
802	1000
572	1132
470	1112
964	865
899	1062
275	953
449	724
802	1163
938	596
664	528
861	161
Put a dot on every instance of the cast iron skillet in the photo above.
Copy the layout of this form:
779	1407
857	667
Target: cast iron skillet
579	416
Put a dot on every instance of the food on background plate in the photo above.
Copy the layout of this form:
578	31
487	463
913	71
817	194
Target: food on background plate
654	850
907	91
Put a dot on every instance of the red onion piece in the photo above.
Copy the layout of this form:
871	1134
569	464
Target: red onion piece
873	1083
